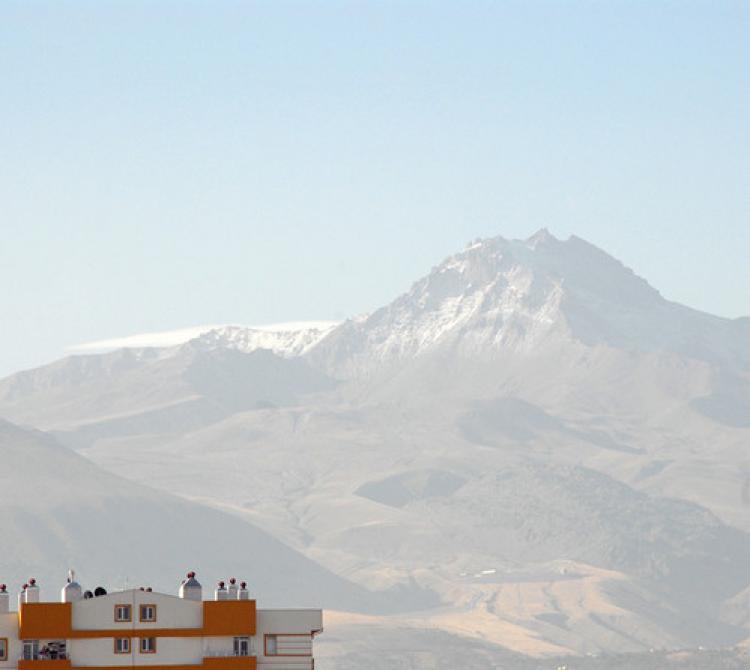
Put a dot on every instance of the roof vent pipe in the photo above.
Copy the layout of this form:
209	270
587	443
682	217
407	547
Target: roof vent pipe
4	599
32	592
191	589
243	593
221	592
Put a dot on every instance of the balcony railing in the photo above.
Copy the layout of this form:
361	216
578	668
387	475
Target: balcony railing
227	654
230	662
39	661
215	662
279	663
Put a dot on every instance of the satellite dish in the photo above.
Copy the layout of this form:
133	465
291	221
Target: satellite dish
87	595
100	591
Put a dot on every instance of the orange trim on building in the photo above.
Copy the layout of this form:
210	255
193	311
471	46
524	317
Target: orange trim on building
229	663
225	618
57	664
45	620
229	618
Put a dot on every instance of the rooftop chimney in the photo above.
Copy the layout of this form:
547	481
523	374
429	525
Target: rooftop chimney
4	599
221	592
243	593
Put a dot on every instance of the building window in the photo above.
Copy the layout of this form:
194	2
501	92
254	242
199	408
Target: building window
148	645
30	650
122	645
123	613
270	645
148	612
242	646
3	648
54	650
287	644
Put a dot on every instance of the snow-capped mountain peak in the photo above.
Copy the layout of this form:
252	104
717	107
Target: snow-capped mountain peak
283	339
499	296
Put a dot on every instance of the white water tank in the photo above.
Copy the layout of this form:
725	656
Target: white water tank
191	589
243	593
4	599
72	591
221	592
32	592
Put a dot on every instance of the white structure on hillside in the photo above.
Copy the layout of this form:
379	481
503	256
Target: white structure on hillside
138	627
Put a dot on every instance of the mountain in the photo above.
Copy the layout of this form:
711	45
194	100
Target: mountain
531	432
553	323
59	511
155	389
525	296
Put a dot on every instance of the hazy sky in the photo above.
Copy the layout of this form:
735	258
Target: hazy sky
167	164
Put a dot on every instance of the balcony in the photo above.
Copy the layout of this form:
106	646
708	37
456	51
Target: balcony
44	664
228	663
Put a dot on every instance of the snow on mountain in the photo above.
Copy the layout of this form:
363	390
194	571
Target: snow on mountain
500	296
161	339
283	339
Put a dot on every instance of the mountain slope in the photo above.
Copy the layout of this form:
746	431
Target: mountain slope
388	503
120	386
59	511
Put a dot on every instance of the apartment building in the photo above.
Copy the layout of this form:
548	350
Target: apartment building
97	630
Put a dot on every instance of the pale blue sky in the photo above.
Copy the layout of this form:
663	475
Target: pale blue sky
166	164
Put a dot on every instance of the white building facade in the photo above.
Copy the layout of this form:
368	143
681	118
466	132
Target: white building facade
139	627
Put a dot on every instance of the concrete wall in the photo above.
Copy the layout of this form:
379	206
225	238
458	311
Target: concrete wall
169	651
171	611
9	629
